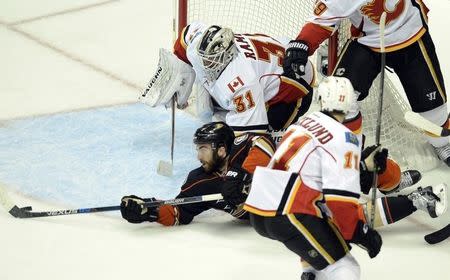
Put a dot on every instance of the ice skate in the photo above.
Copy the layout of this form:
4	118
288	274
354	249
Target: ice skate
409	178
443	153
432	200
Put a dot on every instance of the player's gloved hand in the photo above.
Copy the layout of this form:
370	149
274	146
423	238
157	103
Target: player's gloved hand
236	186
374	158
133	210
295	58
367	238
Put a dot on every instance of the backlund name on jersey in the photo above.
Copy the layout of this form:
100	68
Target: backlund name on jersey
317	129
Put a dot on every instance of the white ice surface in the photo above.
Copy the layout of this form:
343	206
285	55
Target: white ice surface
103	55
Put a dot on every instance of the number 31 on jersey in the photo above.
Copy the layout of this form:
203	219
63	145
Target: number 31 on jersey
243	102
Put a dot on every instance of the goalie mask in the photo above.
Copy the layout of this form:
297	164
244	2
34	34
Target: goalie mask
336	94
216	50
218	134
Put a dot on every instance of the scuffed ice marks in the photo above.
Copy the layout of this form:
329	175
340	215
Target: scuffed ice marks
94	157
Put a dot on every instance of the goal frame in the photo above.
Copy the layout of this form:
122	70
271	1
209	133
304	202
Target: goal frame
181	21
406	144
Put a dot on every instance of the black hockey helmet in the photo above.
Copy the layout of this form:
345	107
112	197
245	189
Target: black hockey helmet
218	134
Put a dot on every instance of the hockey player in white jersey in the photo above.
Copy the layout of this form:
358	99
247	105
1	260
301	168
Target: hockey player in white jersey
307	197
242	74
410	52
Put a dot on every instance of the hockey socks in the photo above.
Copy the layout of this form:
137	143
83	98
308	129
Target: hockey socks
393	209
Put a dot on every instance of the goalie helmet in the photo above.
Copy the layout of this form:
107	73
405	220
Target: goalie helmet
336	94
218	134
216	49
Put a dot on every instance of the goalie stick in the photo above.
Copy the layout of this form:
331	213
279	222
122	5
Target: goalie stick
379	111
420	122
438	236
165	168
26	212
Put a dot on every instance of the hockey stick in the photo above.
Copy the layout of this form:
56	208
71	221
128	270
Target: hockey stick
26	212
420	122
379	111
165	168
438	236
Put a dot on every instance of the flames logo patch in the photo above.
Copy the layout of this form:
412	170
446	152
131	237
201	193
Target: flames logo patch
374	9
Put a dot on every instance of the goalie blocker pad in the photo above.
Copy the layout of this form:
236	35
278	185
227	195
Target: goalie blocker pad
173	77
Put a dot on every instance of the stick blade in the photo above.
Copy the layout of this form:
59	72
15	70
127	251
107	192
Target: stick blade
438	236
17	212
165	168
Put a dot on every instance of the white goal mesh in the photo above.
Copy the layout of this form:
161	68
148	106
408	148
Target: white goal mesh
284	18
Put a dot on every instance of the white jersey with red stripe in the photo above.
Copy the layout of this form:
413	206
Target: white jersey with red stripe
249	81
405	22
318	157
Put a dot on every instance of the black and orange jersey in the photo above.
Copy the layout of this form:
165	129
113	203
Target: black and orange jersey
249	150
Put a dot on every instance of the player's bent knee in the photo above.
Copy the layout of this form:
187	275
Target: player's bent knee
437	115
346	268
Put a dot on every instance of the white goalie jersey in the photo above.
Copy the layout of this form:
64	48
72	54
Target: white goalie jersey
249	82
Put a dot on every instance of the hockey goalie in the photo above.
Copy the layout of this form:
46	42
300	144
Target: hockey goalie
240	79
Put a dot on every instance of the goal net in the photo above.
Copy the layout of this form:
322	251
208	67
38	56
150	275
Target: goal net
284	18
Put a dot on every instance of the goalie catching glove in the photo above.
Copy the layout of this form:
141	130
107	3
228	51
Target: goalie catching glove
173	78
236	186
133	210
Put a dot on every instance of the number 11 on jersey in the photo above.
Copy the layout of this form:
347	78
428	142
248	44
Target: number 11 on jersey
351	160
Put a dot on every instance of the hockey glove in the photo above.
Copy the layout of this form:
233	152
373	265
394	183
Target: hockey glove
374	158
236	186
367	238
295	58
133	210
